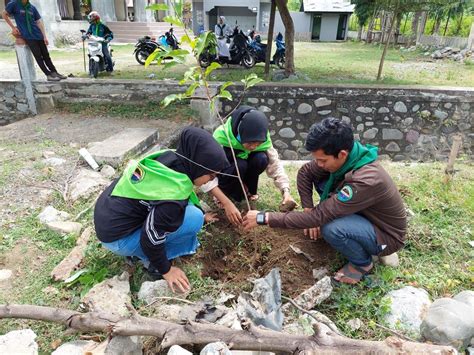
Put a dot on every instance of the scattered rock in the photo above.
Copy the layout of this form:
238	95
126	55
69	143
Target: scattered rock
450	320
318	274
85	183
72	261
390	260
178	350
19	342
218	348
5	274
312	296
78	347
110	296
48	154
125	345
149	290
304	325
168	312
408	307
54	161
50	291
354	324
107	171
65	227
51	214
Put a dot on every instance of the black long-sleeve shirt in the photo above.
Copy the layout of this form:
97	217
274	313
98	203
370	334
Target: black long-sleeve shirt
117	217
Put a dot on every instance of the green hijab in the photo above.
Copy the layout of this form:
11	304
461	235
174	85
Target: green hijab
28	16
359	156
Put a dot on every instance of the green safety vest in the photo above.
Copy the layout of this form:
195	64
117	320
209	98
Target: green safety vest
150	180
221	133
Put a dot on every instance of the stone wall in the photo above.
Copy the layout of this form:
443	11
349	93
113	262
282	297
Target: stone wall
404	122
13	102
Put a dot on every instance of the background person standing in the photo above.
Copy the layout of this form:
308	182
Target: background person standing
30	27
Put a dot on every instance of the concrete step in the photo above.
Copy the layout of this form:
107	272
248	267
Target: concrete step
130	142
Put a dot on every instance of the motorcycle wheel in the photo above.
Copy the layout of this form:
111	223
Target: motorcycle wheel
93	68
248	60
141	56
204	61
280	61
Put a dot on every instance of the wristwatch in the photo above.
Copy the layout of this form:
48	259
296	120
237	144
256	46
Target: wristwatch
285	189
261	218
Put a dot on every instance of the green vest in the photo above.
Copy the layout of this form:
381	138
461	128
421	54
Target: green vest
221	133
150	180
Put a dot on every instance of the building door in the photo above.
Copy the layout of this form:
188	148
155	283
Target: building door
316	31
341	28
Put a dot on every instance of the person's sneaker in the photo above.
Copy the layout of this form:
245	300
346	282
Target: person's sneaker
52	78
154	274
60	76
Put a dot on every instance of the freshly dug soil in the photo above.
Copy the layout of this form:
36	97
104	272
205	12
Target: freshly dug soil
233	256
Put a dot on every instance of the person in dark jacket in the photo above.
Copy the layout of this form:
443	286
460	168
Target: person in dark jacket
99	29
152	212
30	27
360	213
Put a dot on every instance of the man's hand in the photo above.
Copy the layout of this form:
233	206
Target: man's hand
287	203
233	214
46	41
16	32
176	277
312	233
250	220
210	217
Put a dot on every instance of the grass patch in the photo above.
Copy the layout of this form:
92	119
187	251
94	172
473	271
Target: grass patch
148	110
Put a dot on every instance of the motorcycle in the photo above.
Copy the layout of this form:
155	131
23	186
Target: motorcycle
144	47
94	51
169	40
259	49
240	52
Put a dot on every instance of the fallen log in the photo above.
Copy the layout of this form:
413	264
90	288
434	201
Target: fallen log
324	341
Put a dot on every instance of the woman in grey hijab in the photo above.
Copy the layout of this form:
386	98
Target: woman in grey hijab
222	30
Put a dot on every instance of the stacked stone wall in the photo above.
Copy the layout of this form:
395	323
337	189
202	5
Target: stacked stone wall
406	123
13	102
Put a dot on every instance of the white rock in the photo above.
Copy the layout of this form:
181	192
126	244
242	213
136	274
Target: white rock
218	348
354	323
19	342
408	307
149	290
51	214
125	345
390	260
318	274
78	347
65	227
304	108
107	171
54	161
48	154
178	350
5	274
85	183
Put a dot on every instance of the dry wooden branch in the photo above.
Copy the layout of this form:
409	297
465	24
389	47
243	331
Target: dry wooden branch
457	140
251	338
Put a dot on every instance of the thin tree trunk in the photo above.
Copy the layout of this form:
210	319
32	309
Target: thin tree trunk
371	26
359	33
324	341
385	48
289	36
271	26
436	24
397	30
422	26
447	23
458	29
414	28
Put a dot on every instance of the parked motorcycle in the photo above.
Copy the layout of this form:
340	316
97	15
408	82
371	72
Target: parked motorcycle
169	40
144	47
240	53
259	49
94	51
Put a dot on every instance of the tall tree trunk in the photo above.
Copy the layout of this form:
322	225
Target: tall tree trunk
370	29
447	23
359	33
436	24
385	48
458	29
422	26
414	28
76	5
289	36
271	26
397	30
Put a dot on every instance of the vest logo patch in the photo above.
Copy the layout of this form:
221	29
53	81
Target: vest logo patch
137	175
345	194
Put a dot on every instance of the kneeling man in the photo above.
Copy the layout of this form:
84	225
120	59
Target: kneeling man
360	213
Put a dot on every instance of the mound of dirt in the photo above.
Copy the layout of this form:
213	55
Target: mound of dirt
231	255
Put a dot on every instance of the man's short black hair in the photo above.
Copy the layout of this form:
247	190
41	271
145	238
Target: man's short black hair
331	135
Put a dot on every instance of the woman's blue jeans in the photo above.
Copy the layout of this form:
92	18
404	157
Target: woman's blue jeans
183	241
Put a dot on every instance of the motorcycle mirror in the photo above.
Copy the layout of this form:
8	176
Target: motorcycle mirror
82	31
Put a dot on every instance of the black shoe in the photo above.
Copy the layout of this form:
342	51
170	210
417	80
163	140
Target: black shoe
131	260
60	76
154	274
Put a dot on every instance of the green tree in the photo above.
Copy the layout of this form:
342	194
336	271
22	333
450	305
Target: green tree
364	9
